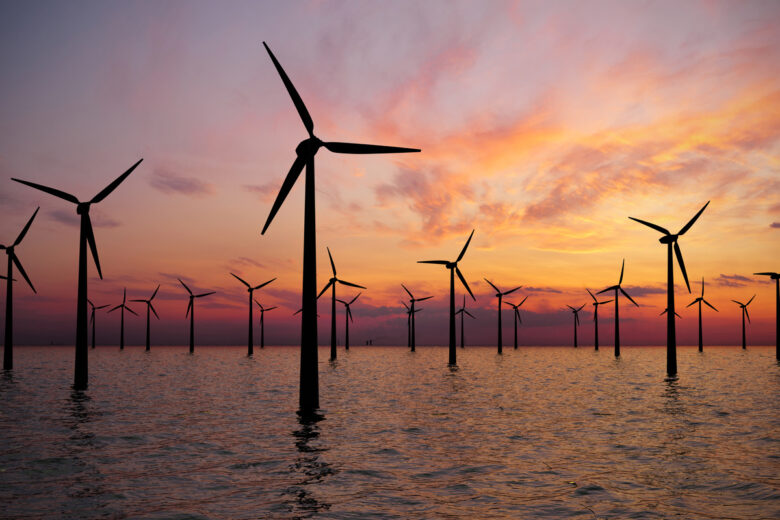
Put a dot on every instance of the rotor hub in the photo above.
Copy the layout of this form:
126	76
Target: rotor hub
668	239
82	208
452	265
308	147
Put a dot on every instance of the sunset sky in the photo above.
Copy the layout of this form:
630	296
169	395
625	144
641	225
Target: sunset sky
543	126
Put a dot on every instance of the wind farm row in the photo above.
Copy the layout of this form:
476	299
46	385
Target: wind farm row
309	379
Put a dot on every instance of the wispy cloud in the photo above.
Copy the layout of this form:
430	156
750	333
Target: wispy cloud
172	183
71	218
733	280
775	225
265	192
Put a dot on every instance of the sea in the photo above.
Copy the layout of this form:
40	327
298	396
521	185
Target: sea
537	432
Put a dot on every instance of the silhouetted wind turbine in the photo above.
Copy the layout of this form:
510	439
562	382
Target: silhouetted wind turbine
251	289
453	267
263	310
576	320
413	326
409	314
516	316
149	307
463	311
348	318
123	306
776	278
191	312
701	300
500	295
92	318
8	350
671	243
618	289
309	383
596	304
332	284
86	235
744	306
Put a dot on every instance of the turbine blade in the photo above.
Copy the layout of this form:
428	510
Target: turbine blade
577	319
270	308
151	307
678	253
581	307
408	292
131	311
154	293
491	285
115	308
297	312
365	148
101	307
517	313
140	301
189	306
748	303
513	290
26	227
332	265
50	191
111	187
605	301
611	288
463	251
463	280
342	282
710	306
24	274
92	316
263	284
93	245
702	287
650	224
437	262
690	222
622	268
662	312
289	182
349	313
522	302
591	295
423	299
342	301
766	274
404	304
693	302
677	315
468	313
569	306
124	296
296	98
746	313
240	280
355	298
185	286
325	288
90	303
738	303
629	297
205	294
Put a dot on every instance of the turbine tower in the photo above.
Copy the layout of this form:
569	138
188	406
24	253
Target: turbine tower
86	236
776	278
618	289
671	243
251	289
500	295
453	267
263	310
309	398
348	318
576	320
413	326
191	312
409	324
517	319
92	318
149	307
332	284
701	300
463	311
744	306
596	304
123	306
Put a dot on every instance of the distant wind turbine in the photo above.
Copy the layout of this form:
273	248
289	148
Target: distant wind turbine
348	318
10	251
413	326
309	385
263	310
191	312
744	307
671	243
332	284
576	320
86	236
701	300
251	289
666	310
618	289
92	318
776	278
596	304
453	267
500	295
409	314
149	307
517	319
123	306
463	311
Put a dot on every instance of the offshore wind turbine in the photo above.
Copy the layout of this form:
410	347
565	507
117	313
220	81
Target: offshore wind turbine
149	307
123	306
516	315
671	243
413	326
191	312
701	300
596	304
263	310
332	284
92	318
86	236
10	251
618	289
409	314
348	318
744	306
463	311
309	398
500	295
776	278
453	267
251	289
576	320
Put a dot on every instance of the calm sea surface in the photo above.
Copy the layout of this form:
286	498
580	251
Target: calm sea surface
535	433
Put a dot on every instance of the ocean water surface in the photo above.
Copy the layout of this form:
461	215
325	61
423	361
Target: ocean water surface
533	433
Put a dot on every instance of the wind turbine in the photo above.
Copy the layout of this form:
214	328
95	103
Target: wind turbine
86	236
8	350
348	318
463	311
409	314
517	316
666	310
92	318
776	278
251	289
671	243
149	307
576	320
744	306
309	398
701	300
191	312
618	289
332	284
123	306
500	295
596	304
263	310
453	267
413	326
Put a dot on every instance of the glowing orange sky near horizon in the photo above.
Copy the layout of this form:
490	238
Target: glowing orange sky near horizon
543	126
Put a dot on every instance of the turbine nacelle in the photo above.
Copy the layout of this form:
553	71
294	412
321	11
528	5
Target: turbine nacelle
308	147
668	239
82	208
